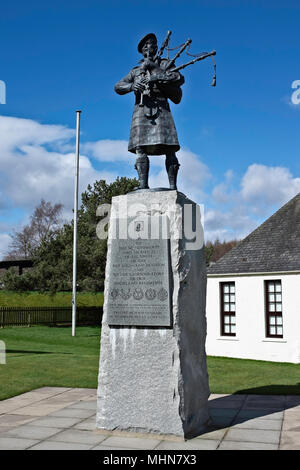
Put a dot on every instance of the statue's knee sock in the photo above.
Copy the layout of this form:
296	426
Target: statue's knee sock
172	167
142	167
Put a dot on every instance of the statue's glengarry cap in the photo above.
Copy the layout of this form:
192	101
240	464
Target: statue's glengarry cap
145	38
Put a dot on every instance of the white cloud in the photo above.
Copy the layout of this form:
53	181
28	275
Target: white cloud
16	131
264	186
240	209
235	224
32	167
221	192
5	241
108	150
192	176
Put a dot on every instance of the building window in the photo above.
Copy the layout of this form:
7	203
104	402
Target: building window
273	309
227	308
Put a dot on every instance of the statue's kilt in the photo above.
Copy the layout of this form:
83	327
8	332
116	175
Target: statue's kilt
152	127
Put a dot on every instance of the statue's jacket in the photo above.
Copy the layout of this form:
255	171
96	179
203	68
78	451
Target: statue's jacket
152	125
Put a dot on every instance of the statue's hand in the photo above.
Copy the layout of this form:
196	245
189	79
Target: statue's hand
140	84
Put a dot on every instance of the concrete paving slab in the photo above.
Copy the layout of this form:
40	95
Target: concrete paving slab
290	440
35	395
73	413
289	447
52	390
213	396
102	447
37	410
221	422
56	422
15	443
253	435
9	407
4	430
125	442
51	445
60	400
225	413
91	398
193	444
86	405
216	434
225	404
14	420
78	436
87	424
291	425
256	413
228	398
80	393
263	404
233	445
33	432
292	413
293	400
268	398
257	423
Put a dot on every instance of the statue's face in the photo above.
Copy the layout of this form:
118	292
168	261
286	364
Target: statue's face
150	47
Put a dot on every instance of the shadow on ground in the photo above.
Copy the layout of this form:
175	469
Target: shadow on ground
248	405
20	351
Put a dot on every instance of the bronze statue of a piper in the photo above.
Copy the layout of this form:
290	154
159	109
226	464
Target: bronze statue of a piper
153	131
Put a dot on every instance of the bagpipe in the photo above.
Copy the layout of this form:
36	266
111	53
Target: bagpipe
184	47
170	67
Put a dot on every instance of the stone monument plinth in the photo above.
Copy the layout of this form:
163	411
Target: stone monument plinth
153	376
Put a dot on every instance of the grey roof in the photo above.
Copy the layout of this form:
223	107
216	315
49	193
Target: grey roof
273	246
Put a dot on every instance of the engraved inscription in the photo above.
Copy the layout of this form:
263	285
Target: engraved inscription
139	291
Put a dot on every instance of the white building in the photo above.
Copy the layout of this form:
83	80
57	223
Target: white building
253	293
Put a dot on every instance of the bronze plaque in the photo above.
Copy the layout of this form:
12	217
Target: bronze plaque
139	283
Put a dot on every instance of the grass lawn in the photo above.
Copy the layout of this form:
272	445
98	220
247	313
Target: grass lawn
44	356
39	299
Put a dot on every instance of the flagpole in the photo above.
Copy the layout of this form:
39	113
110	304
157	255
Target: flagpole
75	224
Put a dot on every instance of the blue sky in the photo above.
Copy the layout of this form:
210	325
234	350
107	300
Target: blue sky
240	140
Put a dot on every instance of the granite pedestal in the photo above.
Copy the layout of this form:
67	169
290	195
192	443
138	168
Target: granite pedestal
153	375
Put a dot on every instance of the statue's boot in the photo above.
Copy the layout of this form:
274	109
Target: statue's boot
172	167
142	167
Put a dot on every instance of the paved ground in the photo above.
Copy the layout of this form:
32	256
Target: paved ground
64	418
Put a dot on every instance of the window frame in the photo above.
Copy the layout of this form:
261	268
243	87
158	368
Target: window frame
224	313
274	313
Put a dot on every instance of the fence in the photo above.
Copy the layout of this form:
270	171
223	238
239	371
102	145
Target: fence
27	316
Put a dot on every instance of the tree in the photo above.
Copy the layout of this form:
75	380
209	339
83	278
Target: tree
53	257
44	224
22	244
215	250
45	221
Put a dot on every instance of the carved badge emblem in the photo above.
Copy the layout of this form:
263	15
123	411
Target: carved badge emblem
138	294
125	295
150	294
114	293
162	294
